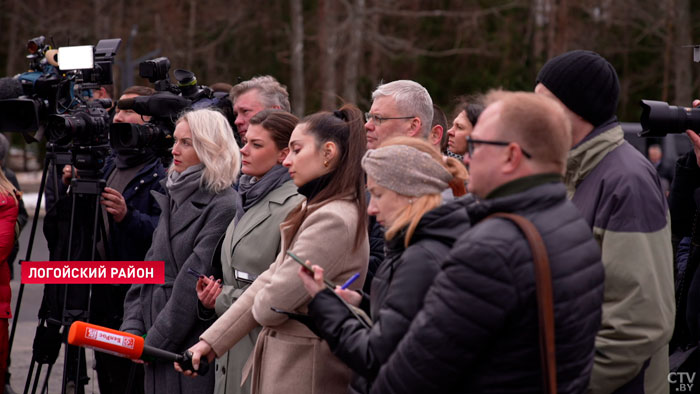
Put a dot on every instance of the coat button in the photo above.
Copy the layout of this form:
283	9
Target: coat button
155	175
136	188
142	181
216	368
223	369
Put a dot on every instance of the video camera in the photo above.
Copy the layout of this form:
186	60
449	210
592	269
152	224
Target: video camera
659	119
48	99
164	108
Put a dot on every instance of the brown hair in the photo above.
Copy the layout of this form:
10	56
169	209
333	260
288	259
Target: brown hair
139	90
412	214
439	118
471	105
279	124
529	119
345	128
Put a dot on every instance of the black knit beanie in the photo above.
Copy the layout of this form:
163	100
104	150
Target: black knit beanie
585	82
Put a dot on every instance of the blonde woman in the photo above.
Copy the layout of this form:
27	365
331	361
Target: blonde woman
405	177
198	204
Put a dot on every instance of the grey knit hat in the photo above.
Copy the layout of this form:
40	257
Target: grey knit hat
406	170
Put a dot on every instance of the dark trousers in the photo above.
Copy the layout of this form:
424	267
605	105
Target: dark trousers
118	375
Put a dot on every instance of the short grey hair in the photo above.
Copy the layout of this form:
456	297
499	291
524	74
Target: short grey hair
212	140
412	98
272	93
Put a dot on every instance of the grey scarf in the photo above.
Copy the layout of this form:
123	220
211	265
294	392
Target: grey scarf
182	185
253	190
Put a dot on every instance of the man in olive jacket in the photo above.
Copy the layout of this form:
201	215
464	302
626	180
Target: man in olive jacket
619	194
478	329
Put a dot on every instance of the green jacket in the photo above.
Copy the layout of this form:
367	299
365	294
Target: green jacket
252	244
618	192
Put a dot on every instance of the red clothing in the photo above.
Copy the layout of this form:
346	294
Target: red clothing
8	217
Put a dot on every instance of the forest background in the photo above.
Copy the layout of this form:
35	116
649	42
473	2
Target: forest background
327	51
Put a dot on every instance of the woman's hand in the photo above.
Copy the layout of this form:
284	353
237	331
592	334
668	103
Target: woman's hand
207	291
199	350
350	296
312	283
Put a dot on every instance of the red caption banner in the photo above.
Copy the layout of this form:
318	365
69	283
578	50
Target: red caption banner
95	272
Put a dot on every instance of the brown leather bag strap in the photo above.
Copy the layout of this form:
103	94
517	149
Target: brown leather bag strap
545	298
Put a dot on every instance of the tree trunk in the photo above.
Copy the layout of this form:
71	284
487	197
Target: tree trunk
297	71
352	63
682	56
12	47
192	29
328	52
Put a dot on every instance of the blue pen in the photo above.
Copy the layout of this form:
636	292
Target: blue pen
349	281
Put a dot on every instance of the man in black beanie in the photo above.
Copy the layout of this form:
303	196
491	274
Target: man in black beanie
618	192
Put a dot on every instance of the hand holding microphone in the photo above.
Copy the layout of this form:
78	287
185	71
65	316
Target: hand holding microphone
131	346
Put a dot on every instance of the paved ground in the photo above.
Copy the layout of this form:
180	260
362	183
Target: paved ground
27	322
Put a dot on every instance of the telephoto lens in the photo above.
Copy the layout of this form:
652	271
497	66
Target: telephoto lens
659	119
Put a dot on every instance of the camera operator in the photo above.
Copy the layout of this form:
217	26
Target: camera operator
131	215
684	201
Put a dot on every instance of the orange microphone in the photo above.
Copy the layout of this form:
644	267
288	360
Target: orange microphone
123	344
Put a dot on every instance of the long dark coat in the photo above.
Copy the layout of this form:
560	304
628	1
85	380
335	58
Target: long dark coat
167	313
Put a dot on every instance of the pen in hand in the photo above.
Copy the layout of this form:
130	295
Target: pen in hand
349	281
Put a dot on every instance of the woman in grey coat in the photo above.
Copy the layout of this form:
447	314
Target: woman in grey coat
252	240
197	206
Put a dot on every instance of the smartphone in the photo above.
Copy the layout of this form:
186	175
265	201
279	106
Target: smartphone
310	271
300	261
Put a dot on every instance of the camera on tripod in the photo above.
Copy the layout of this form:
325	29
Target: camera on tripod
164	108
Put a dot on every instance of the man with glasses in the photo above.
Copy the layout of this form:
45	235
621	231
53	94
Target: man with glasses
478	328
399	108
618	192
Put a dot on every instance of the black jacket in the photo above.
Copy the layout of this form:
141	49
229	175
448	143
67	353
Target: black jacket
398	289
478	329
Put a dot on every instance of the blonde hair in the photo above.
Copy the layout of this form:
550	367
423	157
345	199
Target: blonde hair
217	150
6	187
411	215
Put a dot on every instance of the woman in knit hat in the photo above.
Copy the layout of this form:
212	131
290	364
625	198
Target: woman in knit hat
405	178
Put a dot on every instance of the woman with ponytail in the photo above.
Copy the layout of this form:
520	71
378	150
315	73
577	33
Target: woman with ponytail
329	228
405	177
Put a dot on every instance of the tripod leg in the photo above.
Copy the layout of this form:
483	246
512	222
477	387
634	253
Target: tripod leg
36	378
29	375
45	386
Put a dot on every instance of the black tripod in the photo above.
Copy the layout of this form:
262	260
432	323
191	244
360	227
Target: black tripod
89	187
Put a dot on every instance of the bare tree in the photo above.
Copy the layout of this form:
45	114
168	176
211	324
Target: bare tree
327	43
354	51
297	63
682	55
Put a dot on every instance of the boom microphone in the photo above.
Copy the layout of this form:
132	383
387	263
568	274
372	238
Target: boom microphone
161	104
124	344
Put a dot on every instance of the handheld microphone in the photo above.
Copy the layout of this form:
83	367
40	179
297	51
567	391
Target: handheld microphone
124	344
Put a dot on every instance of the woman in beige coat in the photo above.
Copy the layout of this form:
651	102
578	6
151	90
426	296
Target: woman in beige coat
329	229
252	241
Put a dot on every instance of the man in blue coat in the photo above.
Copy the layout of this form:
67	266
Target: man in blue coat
131	217
477	331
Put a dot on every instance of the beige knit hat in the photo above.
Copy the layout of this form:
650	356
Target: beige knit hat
406	170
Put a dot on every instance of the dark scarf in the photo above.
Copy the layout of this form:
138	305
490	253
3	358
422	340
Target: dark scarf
252	189
182	185
314	186
129	158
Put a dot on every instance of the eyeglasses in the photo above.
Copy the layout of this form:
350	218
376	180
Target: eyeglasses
471	142
376	119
